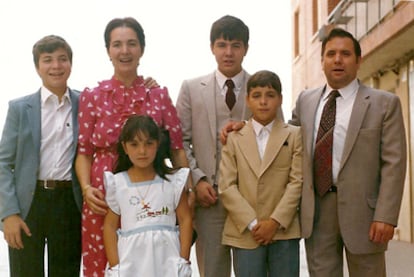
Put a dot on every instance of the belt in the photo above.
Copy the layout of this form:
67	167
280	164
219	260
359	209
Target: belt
333	189
53	184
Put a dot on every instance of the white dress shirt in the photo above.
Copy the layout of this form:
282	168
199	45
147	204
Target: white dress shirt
56	145
262	137
238	81
344	104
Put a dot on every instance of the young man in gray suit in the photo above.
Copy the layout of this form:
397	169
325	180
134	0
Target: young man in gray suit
40	198
203	111
365	168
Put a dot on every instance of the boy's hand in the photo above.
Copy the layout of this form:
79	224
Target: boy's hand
264	231
14	225
205	193
149	82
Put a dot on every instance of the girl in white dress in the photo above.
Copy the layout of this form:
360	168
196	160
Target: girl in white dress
145	199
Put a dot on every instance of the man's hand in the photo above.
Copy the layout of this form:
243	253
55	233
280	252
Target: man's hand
206	195
264	231
381	232
228	128
95	200
13	226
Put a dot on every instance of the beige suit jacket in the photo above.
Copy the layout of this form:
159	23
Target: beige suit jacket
251	188
372	169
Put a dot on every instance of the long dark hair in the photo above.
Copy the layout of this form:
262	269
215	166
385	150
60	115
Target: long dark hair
143	124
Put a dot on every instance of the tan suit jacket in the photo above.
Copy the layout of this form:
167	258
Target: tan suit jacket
251	188
372	169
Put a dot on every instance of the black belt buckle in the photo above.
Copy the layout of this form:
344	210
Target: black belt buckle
333	189
49	184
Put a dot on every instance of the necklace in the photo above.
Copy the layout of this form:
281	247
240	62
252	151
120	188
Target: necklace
142	198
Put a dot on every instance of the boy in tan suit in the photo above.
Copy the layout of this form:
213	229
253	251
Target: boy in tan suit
260	187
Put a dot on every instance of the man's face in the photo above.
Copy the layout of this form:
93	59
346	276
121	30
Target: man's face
229	55
339	62
54	69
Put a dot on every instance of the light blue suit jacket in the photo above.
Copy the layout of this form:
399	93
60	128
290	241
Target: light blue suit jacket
20	154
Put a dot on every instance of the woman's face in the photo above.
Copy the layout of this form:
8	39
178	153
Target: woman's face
124	51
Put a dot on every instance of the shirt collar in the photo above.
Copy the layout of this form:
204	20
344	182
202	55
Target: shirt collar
345	92
257	127
45	94
237	79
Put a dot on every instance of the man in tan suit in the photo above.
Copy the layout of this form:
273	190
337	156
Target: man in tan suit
360	210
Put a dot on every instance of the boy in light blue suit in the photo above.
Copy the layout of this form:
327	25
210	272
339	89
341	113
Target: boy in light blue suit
40	198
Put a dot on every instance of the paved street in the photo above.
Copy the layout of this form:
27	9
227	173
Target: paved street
400	260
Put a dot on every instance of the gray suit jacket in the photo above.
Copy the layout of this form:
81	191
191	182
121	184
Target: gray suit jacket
196	108
20	154
372	169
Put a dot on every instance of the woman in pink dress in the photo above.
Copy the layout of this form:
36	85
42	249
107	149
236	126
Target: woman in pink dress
102	113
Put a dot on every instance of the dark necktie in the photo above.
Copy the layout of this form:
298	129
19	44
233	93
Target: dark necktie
230	96
322	158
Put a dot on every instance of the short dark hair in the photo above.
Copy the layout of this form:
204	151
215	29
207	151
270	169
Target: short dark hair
50	44
338	32
144	124
264	78
230	28
129	22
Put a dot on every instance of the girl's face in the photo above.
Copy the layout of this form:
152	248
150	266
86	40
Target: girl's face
125	52
141	151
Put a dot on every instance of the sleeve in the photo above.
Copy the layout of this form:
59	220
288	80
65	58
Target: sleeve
295	120
8	150
239	209
393	163
86	121
184	111
170	120
180	179
110	187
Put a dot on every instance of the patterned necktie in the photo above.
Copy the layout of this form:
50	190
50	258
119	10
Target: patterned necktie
230	96
322	158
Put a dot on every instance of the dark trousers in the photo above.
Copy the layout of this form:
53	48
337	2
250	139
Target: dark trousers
55	221
280	258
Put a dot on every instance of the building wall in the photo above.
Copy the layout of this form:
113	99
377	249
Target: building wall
385	30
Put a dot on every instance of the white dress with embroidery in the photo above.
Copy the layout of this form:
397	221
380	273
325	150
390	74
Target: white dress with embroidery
148	240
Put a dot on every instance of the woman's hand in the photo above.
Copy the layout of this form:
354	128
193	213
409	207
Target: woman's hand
95	199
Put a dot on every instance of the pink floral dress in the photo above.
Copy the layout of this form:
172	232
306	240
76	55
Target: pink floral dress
102	113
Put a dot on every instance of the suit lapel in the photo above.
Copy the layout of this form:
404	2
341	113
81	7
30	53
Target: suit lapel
33	111
308	117
207	88
275	142
359	109
74	98
248	147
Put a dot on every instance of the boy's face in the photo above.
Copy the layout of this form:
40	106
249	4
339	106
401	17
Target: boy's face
54	69
229	55
264	103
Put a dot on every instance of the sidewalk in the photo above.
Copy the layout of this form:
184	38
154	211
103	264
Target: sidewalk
400	260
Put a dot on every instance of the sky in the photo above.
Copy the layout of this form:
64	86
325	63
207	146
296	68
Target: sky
177	40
